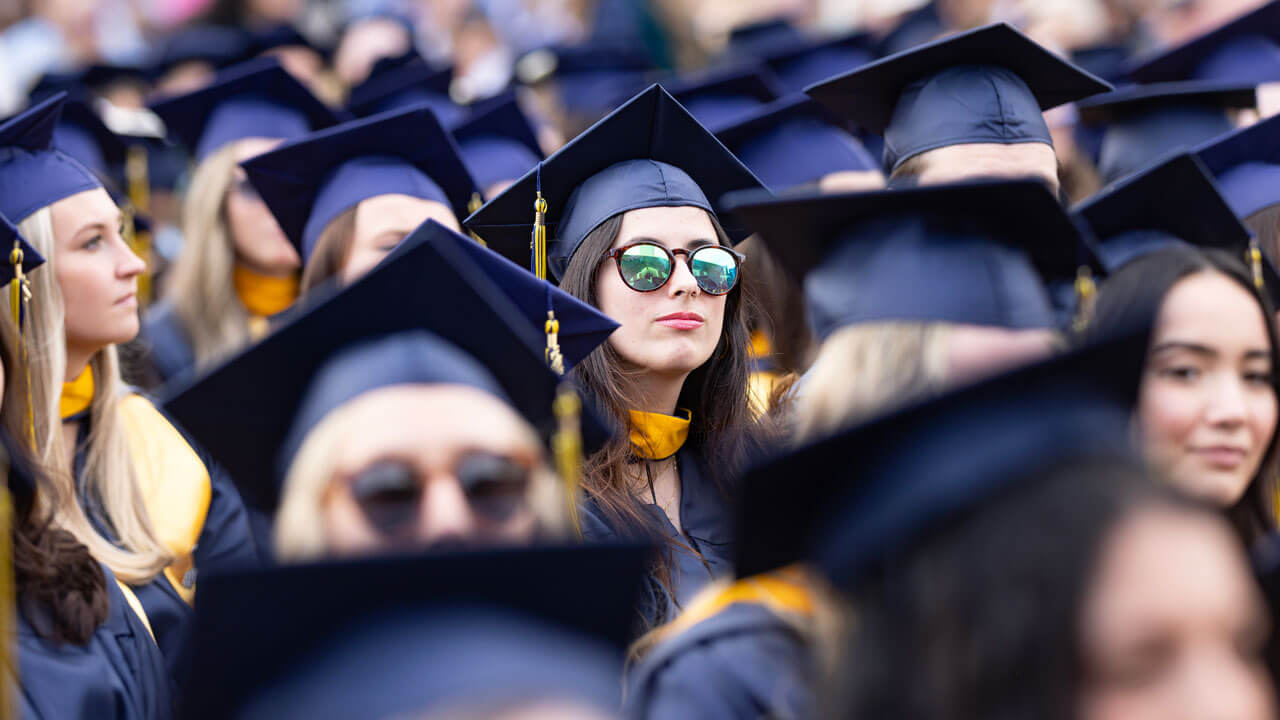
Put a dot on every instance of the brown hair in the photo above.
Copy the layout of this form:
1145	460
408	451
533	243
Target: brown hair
1265	224
722	430
331	251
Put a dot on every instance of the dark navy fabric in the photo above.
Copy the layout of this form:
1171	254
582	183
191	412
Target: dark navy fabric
1243	50
34	174
1246	166
498	144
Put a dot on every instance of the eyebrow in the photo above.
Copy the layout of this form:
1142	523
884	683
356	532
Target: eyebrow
699	242
1203	350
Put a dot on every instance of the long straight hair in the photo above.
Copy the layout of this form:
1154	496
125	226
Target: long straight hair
723	430
1135	293
109	474
201	282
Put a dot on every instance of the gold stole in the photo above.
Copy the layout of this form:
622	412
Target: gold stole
655	436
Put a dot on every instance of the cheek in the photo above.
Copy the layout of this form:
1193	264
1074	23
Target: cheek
1167	414
344	527
1262	417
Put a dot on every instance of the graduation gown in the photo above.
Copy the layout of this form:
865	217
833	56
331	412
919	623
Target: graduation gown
167	343
119	675
707	521
196	512
743	662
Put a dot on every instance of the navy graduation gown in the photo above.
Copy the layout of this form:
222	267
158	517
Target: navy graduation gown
707	521
743	662
168	345
119	675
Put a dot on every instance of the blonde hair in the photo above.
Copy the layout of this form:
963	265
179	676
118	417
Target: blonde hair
200	284
864	370
299	536
108	467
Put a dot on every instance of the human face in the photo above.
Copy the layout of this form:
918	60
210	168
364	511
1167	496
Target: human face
674	329
430	466
955	163
382	222
1173	626
259	242
975	352
96	272
1207	407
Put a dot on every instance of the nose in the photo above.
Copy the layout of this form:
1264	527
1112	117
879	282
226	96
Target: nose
1227	406
682	281
446	514
128	265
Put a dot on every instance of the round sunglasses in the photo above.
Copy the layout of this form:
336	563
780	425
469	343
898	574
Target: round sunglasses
646	266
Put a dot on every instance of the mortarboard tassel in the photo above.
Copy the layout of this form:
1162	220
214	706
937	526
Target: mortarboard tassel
1086	294
566	447
539	259
139	202
19	299
1254	257
554	358
474	204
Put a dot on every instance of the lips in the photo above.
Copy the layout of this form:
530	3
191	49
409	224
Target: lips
127	298
1221	457
682	321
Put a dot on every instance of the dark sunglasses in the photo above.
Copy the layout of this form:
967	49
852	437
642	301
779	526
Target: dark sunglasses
390	493
646	266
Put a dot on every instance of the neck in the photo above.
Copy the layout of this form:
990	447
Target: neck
77	361
657	393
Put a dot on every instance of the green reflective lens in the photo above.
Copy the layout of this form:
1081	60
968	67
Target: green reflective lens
645	267
715	269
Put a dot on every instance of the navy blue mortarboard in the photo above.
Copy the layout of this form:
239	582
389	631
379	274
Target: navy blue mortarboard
794	142
920	26
921	467
587	77
1175	202
312	180
755	40
990	85
81	134
810	60
648	153
435	282
1145	123
91	79
10	237
1245	50
408	634
219	46
33	173
498	143
398	83
1106	61
253	99
725	96
977	253
1246	165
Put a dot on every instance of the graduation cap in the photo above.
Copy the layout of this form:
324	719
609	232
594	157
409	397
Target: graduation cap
919	468
794	142
725	96
90	79
81	134
1174	203
386	636
1246	166
757	39
1245	50
1144	123
648	153
811	60
406	81
254	99
33	173
989	85
10	239
1107	61
977	253
217	45
920	26
498	143
587	77
310	181
431	283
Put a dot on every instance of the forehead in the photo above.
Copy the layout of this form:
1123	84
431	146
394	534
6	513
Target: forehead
961	162
400	213
83	208
1211	308
675	226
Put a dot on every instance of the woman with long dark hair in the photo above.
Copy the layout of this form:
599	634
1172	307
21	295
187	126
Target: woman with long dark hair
633	204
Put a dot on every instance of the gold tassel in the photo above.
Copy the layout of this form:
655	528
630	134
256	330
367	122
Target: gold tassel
19	306
474	204
1086	295
553	356
566	447
8	604
540	237
1254	258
